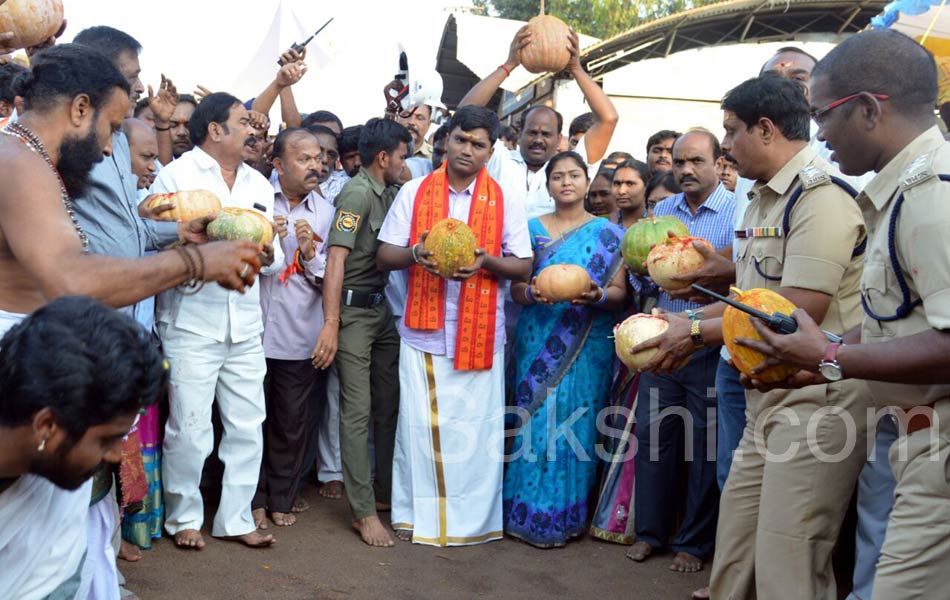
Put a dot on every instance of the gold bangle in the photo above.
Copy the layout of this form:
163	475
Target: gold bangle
695	334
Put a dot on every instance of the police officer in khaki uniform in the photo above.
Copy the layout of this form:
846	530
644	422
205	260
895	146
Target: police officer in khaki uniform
359	331
873	96
802	236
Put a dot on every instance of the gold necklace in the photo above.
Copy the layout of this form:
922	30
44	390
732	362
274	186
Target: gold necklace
560	233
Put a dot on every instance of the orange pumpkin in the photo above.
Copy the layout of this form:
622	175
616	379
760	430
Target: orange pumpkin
241	224
635	330
737	324
674	256
452	244
31	21
547	52
562	283
189	205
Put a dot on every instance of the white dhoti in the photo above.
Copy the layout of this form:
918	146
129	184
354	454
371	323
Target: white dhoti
448	465
204	371
100	574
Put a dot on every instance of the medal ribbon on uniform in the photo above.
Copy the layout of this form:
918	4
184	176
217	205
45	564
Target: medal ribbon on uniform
425	305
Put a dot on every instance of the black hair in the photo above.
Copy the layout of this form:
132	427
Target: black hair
140	107
524	117
381	135
665	180
214	108
109	41
315	129
508	133
283	138
568	155
8	74
86	362
189	99
788	49
321	116
639	166
771	97
882	61
349	140
65	71
441	133
729	158
607	172
472	117
618	157
713	140
659	136
581	124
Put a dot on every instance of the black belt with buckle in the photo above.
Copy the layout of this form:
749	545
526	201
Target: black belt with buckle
358	299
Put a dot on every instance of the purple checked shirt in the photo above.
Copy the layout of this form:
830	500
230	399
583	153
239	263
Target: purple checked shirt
293	312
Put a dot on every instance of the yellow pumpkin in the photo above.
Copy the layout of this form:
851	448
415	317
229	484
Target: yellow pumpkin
562	283
452	244
189	205
737	324
241	224
635	330
547	51
674	256
31	21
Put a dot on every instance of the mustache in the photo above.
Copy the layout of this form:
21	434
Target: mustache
312	175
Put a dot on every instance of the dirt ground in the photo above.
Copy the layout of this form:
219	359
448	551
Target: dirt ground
321	557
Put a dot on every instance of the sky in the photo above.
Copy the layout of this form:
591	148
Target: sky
211	43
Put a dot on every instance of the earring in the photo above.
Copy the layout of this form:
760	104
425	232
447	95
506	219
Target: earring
42	445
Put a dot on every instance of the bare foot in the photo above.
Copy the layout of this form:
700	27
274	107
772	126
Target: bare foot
383	507
255	539
373	533
283	519
686	563
300	505
260	517
639	551
189	539
701	594
332	490
404	535
129	552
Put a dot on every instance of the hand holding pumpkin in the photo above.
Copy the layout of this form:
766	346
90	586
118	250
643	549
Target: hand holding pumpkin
536	294
673	347
518	43
423	257
464	273
267	255
803	349
151	208
593	295
195	231
574	47
716	273
234	265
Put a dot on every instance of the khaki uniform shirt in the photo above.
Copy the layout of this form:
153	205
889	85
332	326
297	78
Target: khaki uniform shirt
815	254
922	241
424	151
361	208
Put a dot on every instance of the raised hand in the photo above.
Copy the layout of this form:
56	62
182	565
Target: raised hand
258	120
574	47
280	226
292	56
305	239
200	92
164	102
520	41
291	73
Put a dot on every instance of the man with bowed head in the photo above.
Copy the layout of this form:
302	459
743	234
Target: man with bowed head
73	377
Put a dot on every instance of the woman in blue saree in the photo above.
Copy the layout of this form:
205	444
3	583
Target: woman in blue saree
563	354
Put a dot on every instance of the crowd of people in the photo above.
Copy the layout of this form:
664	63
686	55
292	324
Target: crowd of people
456	407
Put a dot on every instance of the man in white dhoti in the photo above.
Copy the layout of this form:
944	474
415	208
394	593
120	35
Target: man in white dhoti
448	465
73	376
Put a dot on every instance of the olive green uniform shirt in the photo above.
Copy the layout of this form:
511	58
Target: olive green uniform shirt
922	243
361	208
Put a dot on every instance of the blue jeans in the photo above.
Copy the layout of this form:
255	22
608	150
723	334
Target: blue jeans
875	500
675	412
730	417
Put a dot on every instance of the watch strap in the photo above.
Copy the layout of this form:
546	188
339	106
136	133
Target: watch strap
831	353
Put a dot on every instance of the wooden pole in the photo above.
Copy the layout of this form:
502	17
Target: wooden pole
542	8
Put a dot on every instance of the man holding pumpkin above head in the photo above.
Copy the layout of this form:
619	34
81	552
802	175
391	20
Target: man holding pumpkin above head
359	330
212	338
521	173
802	240
449	441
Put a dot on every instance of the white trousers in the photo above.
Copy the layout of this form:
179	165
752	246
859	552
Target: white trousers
330	465
448	461
204	371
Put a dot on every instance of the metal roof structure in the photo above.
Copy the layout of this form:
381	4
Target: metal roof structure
729	22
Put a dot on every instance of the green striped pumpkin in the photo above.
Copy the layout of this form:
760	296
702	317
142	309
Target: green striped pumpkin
643	235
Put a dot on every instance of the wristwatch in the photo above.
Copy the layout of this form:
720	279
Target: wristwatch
696	334
829	366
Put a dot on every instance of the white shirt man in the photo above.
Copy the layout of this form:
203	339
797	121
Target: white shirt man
212	340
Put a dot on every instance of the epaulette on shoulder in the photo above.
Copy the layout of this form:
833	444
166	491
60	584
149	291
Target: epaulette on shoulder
811	177
919	171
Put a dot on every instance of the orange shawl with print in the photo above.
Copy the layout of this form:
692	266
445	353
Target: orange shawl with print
425	306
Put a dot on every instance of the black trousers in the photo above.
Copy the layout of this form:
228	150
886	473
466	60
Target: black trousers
287	388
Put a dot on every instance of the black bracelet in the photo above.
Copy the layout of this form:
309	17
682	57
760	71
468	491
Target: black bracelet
157	128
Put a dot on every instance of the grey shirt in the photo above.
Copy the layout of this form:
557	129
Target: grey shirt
108	212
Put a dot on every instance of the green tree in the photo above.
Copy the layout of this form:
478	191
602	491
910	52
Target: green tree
598	18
